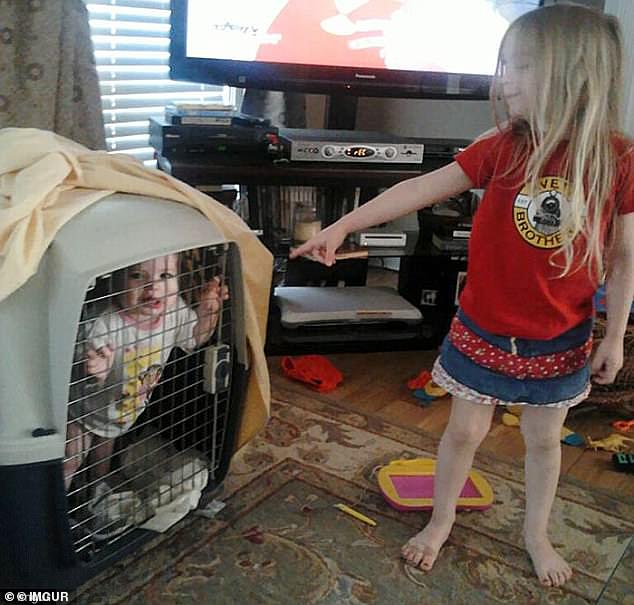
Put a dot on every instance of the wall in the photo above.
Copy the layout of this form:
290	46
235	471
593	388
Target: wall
624	10
425	117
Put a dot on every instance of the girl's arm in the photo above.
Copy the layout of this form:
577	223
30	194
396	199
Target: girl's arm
398	200
619	291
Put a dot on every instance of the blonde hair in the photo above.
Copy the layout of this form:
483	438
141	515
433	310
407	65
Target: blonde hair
578	67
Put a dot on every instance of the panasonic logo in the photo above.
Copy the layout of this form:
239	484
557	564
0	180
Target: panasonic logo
365	76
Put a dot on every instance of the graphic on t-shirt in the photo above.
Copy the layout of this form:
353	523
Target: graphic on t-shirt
538	218
142	371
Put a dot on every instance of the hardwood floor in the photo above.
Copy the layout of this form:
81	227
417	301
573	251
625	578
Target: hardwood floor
375	383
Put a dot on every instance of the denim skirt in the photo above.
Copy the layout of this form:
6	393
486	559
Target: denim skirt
490	369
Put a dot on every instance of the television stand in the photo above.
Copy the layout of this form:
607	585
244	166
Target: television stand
339	186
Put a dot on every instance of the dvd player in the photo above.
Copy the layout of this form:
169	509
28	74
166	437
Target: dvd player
190	140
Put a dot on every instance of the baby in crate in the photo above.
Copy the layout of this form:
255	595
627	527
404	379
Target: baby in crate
126	348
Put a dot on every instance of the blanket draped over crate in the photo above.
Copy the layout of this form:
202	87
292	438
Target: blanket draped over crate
46	179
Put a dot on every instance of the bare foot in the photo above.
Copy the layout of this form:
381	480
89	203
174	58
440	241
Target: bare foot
422	549
549	566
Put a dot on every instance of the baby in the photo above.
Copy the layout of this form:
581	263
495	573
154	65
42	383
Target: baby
126	348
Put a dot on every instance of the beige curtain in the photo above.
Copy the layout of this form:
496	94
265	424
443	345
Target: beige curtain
48	78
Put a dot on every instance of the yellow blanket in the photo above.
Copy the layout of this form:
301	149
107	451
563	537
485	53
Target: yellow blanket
46	179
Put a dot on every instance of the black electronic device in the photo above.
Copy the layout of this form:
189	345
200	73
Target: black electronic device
432	280
186	141
443	149
448	224
412	48
449	243
451	234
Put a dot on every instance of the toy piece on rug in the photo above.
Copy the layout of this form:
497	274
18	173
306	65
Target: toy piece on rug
409	485
423	398
419	381
355	513
623	461
512	418
611	443
571	438
624	425
424	388
314	370
430	392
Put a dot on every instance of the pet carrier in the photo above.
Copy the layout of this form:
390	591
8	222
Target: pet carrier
121	385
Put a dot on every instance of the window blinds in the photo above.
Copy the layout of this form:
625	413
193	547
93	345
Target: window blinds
131	43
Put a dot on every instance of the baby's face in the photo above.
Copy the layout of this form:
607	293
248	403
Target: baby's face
151	287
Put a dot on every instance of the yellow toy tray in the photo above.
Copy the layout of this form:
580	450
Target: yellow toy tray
409	485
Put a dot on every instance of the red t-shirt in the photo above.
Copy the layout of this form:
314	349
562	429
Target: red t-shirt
512	289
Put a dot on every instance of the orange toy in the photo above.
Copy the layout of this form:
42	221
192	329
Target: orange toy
315	370
419	381
623	425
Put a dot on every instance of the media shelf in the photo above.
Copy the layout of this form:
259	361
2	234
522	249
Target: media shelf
411	246
428	278
201	171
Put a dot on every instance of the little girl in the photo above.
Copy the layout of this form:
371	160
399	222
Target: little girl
558	202
126	349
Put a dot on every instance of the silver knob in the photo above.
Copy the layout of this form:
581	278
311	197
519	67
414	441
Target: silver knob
390	153
328	151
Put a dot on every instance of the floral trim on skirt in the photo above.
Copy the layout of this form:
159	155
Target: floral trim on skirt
496	370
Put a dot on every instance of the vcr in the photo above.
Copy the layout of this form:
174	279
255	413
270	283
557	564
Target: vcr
232	142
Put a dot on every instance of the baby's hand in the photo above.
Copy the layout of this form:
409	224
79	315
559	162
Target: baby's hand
99	362
211	296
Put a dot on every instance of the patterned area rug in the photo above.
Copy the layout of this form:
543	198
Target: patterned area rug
280	540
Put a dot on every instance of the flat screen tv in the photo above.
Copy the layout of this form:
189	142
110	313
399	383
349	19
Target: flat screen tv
392	48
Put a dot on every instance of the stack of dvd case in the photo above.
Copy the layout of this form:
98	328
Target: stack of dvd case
210	114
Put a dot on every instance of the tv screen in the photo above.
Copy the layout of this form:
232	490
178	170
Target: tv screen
396	48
